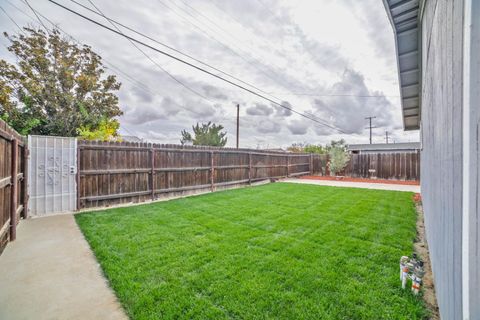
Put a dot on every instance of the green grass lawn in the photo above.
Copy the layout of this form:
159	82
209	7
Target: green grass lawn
278	251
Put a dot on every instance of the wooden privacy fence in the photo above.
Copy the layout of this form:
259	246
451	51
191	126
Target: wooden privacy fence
13	182
392	166
112	173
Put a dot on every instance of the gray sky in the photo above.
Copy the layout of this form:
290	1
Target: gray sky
317	56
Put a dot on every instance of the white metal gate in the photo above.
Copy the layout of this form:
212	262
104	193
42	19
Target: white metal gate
52	168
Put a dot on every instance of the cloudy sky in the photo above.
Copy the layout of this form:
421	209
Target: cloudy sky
331	59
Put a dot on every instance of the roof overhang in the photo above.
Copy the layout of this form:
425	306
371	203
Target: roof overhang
404	17
404	146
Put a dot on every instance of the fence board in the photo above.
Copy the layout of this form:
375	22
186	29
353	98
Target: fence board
13	182
390	166
115	173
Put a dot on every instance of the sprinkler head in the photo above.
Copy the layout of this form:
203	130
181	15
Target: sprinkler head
419	272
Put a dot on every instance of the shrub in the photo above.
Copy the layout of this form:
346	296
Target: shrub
338	159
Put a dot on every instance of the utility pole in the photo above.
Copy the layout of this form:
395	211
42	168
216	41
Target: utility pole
370	126
386	136
238	124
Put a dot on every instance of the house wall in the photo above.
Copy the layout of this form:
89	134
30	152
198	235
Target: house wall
471	157
441	157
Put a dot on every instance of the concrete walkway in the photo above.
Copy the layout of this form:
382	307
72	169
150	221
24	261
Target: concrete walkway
378	186
49	272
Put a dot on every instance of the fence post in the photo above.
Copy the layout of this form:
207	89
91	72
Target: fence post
418	171
249	168
288	165
25	180
212	168
327	165
13	191
166	165
311	163
78	177
152	173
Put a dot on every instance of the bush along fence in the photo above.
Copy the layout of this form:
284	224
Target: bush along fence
390	166
13	182
111	173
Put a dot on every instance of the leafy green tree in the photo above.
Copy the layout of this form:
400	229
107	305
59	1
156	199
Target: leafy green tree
342	144
106	131
206	134
300	147
56	86
296	147
312	148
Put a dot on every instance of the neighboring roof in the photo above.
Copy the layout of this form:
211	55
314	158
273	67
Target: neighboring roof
131	139
404	16
384	146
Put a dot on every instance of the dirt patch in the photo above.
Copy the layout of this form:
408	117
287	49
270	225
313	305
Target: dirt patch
421	248
417	198
349	179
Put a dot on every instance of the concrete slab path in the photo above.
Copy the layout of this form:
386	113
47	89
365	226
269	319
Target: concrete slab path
378	186
49	272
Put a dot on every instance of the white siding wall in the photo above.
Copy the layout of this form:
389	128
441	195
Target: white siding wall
441	158
471	157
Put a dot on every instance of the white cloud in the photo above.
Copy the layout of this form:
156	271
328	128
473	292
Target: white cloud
259	109
282	47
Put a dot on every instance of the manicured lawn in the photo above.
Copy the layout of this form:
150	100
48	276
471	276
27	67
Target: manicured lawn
278	251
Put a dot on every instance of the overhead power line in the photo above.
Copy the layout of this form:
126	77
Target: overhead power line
248	52
281	24
129	78
22	11
135	82
167	46
112	22
268	66
241	25
333	95
39	20
264	40
226	45
223	44
11	19
194	66
54	25
271	94
152	60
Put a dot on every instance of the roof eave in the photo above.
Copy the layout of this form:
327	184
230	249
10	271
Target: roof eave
406	29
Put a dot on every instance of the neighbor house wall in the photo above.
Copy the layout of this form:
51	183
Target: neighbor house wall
441	155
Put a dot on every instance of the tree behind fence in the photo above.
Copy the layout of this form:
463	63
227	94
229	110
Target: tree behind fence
113	173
